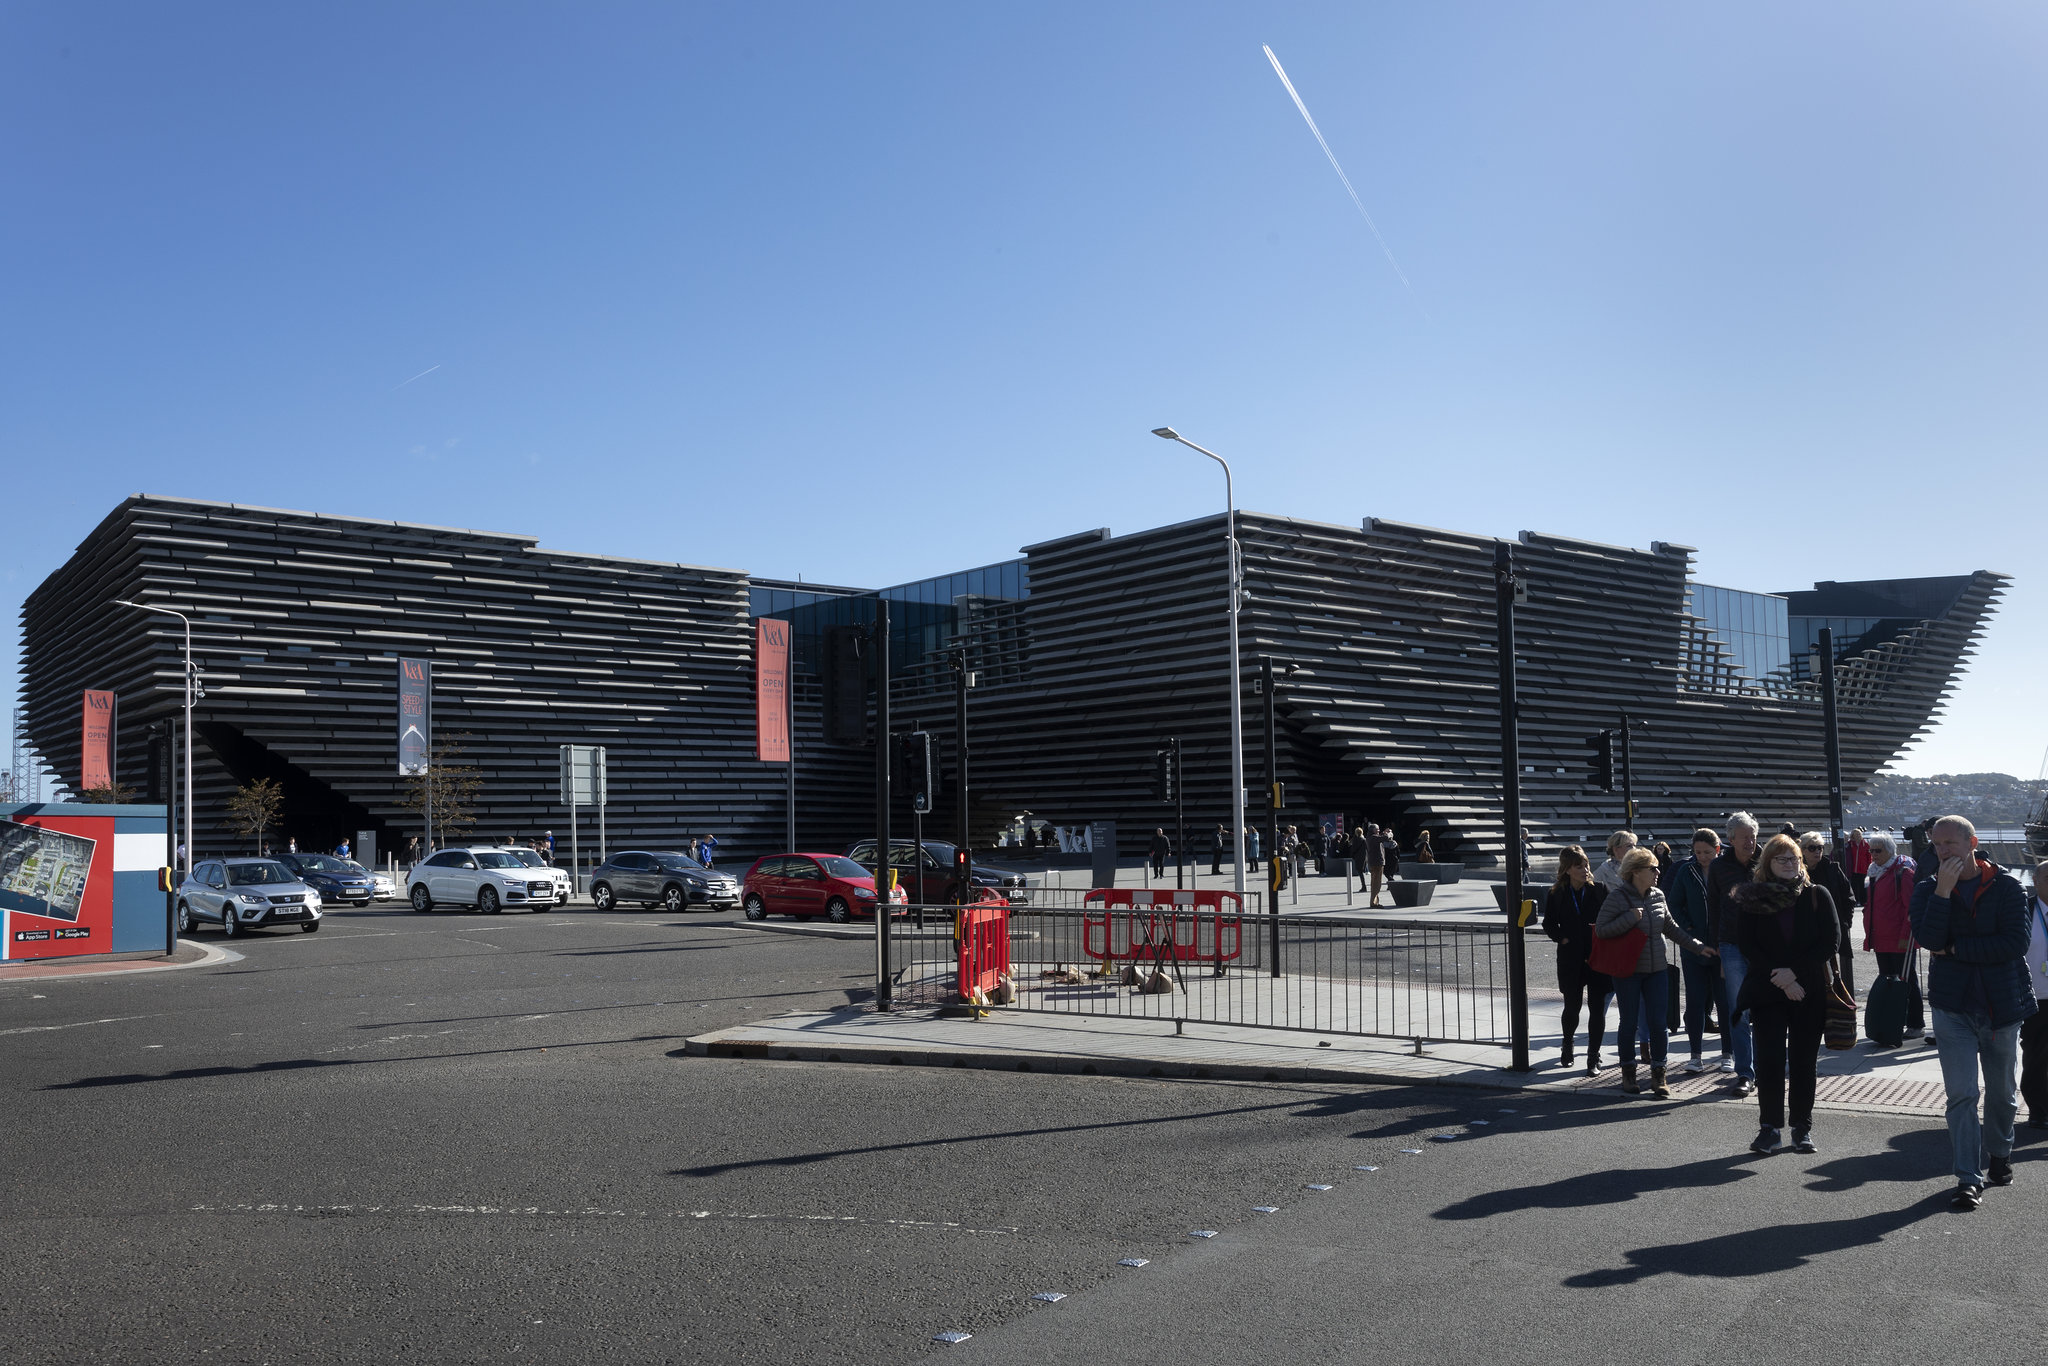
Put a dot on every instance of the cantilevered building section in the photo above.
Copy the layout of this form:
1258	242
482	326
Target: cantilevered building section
1091	651
299	620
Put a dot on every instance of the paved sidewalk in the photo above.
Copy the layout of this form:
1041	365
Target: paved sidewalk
190	954
1895	1081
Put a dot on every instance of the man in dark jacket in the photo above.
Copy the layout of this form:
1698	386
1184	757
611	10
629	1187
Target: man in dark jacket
1685	891
1971	917
1734	866
1161	847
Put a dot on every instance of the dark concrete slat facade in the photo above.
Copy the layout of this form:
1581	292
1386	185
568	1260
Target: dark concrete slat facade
1119	644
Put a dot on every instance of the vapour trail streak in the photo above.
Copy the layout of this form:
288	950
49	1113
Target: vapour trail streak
432	368
1279	71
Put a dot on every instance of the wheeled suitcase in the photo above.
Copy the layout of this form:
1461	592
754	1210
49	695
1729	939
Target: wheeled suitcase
1884	1012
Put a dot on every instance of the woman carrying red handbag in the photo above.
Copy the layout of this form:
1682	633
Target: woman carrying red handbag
1635	911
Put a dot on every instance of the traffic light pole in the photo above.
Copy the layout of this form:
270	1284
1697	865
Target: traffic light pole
1628	786
1275	865
964	858
1833	738
1507	587
1180	819
884	752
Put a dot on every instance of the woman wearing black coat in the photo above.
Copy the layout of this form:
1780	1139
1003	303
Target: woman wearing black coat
1568	915
1788	932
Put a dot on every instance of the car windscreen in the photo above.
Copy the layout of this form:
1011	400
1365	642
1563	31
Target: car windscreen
491	858
528	858
679	863
836	866
257	874
324	863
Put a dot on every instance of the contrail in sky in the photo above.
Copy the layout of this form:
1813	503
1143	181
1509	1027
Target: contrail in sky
1282	74
432	368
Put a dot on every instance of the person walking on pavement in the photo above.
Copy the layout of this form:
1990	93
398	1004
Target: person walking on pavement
1160	848
1568	915
1823	871
1251	849
1734	867
707	849
2034	1033
1424	853
1361	855
1888	924
1217	842
1971	917
1637	903
1856	861
341	850
1686	893
1619	843
1375	859
1788	932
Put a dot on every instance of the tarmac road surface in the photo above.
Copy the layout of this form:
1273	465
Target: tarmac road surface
452	1138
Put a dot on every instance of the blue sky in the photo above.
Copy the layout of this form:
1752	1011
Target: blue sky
871	292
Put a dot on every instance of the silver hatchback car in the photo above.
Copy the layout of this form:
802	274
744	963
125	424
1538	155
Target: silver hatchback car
245	894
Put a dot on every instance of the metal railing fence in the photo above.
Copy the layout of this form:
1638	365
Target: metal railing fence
1423	980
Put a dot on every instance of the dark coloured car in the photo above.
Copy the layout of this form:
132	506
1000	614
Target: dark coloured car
932	884
675	882
830	885
336	879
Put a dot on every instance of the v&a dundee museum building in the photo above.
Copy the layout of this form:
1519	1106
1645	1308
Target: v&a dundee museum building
1090	651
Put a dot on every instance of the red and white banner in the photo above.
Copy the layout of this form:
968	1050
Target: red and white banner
771	690
96	761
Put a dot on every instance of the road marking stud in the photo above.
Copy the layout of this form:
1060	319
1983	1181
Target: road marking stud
1134	1261
1319	1188
1201	1233
951	1335
1050	1296
1265	1209
1365	1169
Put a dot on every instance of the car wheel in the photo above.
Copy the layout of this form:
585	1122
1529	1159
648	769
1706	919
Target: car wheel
756	908
672	899
487	900
837	911
184	918
311	927
229	926
422	899
601	896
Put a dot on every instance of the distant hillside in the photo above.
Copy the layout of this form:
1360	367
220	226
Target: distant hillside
1894	800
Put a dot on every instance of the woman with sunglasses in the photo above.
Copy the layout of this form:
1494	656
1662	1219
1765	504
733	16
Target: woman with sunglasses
1788	932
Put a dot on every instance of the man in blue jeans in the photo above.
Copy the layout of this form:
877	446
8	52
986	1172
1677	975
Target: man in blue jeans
1971	917
1686	892
1735	866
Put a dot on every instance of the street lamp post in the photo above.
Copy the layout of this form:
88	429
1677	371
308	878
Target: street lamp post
192	687
1236	683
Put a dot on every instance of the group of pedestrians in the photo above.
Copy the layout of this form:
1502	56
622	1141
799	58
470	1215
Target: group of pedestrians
1763	936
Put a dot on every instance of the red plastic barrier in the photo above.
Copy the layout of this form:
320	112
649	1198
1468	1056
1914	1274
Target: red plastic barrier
982	936
1163	925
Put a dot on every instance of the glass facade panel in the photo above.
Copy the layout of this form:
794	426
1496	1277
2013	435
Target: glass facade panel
928	619
1753	633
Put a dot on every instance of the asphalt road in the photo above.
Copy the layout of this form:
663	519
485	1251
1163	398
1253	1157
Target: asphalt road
457	1139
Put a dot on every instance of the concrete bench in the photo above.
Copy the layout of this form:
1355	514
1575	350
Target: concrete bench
1445	873
1411	892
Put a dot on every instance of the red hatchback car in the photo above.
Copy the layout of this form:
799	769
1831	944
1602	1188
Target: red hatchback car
830	885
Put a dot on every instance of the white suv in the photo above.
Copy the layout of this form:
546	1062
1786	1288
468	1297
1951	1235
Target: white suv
487	879
535	860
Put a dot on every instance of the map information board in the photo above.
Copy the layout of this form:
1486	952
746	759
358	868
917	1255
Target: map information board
43	872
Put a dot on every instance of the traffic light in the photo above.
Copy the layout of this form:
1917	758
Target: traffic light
916	756
844	673
1169	775
1601	745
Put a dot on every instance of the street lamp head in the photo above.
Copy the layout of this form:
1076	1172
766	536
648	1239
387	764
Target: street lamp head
123	602
1167	433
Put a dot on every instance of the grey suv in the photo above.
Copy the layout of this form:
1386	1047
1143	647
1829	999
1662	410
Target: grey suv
246	894
675	882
